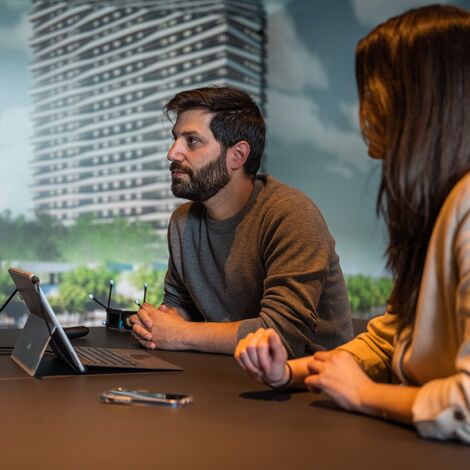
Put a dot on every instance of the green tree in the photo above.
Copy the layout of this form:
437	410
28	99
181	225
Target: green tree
116	241
366	293
6	286
154	279
75	287
30	239
87	241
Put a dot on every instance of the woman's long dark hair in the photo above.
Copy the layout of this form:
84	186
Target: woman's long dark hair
413	77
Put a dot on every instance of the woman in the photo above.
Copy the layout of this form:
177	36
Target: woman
413	363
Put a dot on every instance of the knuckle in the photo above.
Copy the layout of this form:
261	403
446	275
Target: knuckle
263	347
252	348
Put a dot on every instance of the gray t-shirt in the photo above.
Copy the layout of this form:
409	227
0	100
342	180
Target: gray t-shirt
273	265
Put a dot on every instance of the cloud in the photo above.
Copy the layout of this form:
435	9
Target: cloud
293	115
351	113
373	12
292	67
17	4
15	155
16	36
295	119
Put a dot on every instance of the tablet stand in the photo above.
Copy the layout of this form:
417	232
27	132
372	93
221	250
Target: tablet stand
32	344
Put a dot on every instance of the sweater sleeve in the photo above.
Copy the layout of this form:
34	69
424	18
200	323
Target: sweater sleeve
175	293
374	348
297	251
442	407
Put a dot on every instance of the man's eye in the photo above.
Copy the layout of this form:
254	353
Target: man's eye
192	140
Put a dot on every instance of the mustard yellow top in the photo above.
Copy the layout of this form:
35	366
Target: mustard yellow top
435	352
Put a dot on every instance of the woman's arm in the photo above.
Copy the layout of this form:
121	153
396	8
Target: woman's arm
336	373
264	357
340	376
440	407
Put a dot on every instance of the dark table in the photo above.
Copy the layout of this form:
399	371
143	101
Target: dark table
234	423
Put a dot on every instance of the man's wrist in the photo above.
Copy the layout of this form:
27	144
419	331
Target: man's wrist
209	336
285	380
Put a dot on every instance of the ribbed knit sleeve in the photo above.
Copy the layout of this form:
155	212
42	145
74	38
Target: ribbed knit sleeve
374	348
442	407
302	278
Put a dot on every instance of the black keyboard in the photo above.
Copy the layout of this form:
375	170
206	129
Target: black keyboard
103	357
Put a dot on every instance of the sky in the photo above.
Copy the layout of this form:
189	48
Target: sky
313	139
15	105
314	142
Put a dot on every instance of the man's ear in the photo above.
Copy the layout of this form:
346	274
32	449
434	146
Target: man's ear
238	154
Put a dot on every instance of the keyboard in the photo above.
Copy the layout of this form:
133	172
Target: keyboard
103	357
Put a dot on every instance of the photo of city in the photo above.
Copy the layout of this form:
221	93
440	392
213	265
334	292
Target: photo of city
235	233
85	193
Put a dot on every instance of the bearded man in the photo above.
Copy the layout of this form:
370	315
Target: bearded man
249	252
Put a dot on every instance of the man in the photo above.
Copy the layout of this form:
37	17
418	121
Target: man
248	252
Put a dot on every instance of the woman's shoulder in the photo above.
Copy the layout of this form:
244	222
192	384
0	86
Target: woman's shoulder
462	186
457	203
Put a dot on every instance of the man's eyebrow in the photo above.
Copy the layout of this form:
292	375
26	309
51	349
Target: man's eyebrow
185	133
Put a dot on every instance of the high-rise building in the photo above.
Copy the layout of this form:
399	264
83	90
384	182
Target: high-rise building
102	71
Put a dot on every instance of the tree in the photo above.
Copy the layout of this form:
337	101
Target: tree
117	241
76	286
30	239
366	292
6	286
155	280
87	241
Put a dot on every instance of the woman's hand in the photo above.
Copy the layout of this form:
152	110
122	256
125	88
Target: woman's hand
264	357
339	375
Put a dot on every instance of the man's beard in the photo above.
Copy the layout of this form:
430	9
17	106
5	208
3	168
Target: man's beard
202	184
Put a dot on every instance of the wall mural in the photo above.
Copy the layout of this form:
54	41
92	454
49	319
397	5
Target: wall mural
84	183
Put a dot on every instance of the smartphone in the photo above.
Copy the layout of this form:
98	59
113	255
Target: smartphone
144	398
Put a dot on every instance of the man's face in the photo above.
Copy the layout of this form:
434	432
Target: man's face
198	163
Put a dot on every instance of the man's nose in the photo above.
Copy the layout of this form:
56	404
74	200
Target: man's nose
175	153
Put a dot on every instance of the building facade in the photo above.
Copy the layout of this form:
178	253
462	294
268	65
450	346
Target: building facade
102	71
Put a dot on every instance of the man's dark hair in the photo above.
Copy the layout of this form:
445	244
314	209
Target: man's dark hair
236	118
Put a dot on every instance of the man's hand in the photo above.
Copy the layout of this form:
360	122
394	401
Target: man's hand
158	327
264	357
167	328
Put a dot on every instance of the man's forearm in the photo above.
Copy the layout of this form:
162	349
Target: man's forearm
210	337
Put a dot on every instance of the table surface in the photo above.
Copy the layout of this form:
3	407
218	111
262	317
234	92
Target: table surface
233	422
